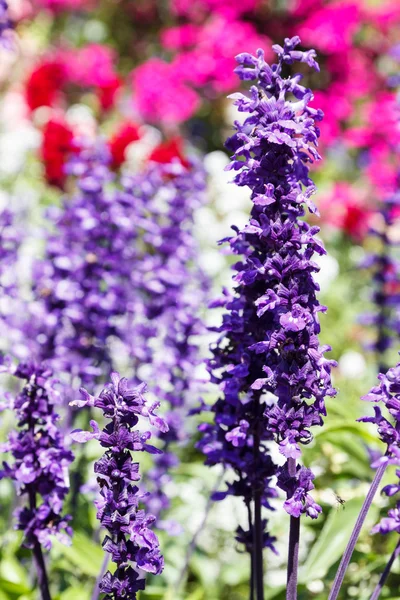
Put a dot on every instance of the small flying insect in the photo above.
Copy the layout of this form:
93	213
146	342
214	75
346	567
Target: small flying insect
340	501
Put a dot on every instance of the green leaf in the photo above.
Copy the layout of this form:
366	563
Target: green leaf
331	542
75	592
83	553
353	428
12	571
13	589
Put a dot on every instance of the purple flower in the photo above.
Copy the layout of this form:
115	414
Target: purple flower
40	458
130	539
386	399
83	284
386	278
268	361
169	291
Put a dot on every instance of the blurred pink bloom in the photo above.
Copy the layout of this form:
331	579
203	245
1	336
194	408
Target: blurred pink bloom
180	37
384	14
382	169
344	208
93	66
302	8
211	62
336	108
231	9
332	27
160	95
60	5
355	73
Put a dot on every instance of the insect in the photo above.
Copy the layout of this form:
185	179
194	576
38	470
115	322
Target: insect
340	501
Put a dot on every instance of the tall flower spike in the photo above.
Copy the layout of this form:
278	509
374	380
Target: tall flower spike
268	362
169	291
130	540
83	283
40	464
386	277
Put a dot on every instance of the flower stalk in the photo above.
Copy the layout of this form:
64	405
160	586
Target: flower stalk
344	563
384	576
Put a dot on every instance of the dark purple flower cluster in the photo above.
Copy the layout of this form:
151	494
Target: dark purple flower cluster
169	290
386	277
268	362
40	458
386	396
83	283
130	539
6	26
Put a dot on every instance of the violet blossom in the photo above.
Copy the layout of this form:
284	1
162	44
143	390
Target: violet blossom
386	400
169	291
130	541
386	277
39	467
82	284
268	362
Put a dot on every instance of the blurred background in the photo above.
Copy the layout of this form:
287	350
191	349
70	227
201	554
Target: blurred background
153	75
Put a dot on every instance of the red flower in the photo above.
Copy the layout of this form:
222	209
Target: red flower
344	208
126	134
57	143
107	91
44	84
168	151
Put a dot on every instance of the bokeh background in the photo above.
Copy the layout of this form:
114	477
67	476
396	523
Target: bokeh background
153	74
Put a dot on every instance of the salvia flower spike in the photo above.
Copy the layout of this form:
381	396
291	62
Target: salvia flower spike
268	361
40	464
130	541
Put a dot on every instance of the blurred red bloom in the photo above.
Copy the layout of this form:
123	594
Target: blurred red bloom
107	92
125	135
57	144
343	209
86	68
168	151
44	84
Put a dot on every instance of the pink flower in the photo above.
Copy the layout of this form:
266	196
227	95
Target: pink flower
231	9
336	108
60	5
211	62
384	15
382	169
93	66
332	27
180	37
160	95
